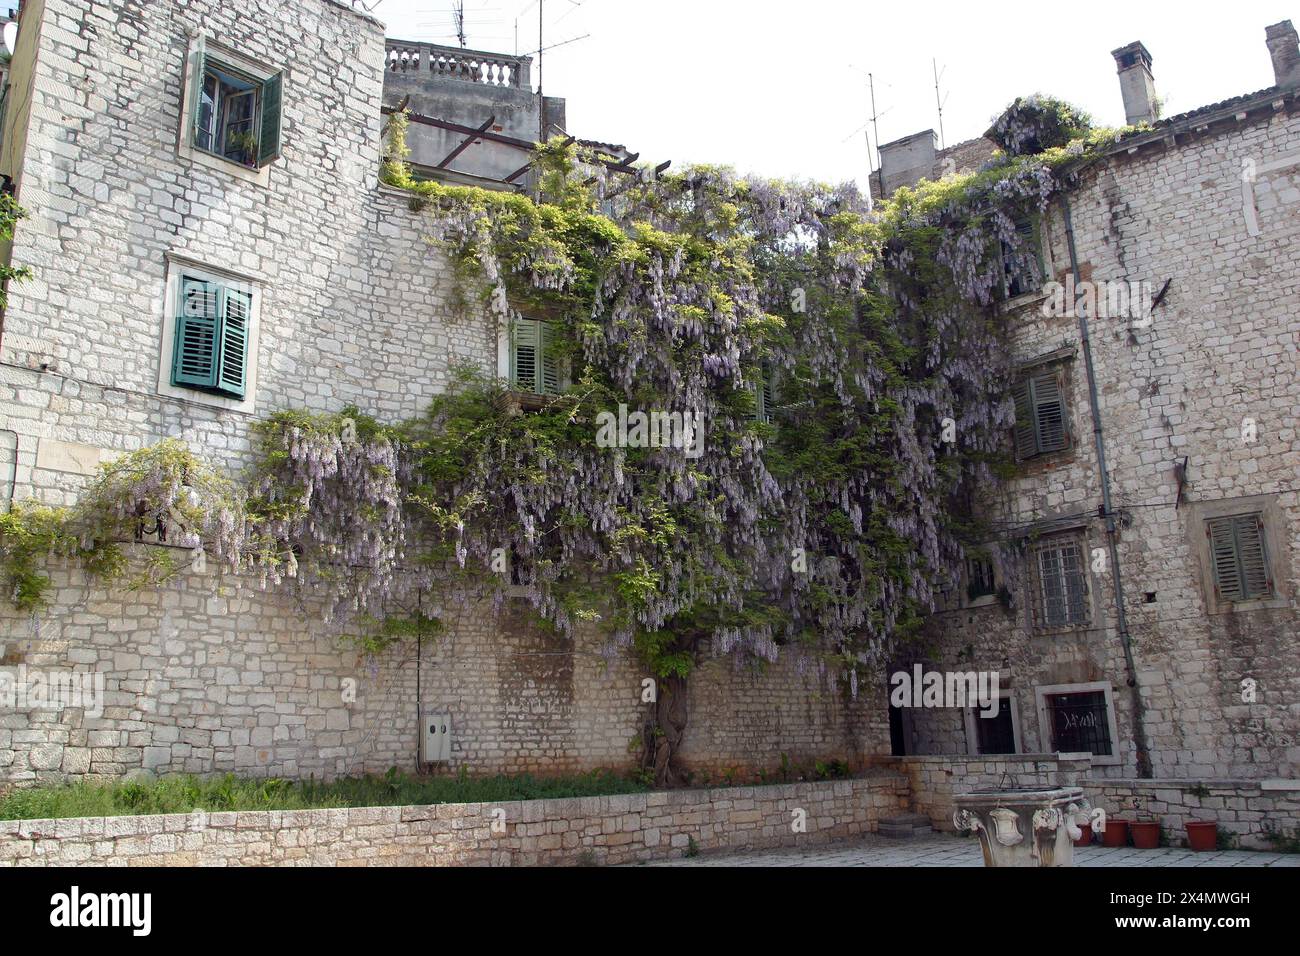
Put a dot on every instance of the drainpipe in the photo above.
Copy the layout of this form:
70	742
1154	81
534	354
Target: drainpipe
1112	529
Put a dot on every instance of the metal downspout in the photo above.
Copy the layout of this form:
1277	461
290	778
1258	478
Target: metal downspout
1112	531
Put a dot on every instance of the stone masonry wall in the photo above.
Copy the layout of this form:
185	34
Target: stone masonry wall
1223	347
1248	812
592	830
209	675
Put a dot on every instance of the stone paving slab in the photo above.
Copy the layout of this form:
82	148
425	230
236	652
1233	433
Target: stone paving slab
950	851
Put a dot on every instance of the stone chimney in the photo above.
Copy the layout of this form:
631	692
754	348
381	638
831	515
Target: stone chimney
1137	83
1284	46
905	162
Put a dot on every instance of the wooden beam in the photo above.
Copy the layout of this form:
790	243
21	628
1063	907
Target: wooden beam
467	142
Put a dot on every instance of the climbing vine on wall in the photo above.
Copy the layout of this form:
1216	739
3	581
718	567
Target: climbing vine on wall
824	529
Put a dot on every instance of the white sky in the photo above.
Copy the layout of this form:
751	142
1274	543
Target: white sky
780	88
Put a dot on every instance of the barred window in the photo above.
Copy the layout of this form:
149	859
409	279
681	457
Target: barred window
1062	598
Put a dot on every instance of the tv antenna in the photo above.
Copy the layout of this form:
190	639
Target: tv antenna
940	100
458	14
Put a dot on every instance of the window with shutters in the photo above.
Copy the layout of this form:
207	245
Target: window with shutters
1239	558
1022	264
1061	582
212	328
535	366
1042	420
232	109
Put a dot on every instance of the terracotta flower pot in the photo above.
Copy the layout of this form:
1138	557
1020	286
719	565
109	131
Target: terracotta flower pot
1086	839
1202	836
1116	833
1146	834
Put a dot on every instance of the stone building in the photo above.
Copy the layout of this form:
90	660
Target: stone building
180	151
176	152
1151	603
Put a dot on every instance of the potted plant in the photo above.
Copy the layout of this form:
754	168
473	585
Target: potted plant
1085	835
1202	835
1146	834
1116	833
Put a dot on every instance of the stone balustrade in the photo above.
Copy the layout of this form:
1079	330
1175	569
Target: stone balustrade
471	66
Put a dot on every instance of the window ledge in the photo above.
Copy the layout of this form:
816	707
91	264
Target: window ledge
1022	302
260	177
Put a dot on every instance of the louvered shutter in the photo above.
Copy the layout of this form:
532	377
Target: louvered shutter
198	68
1239	558
1049	413
272	115
1223	555
525	347
550	362
1253	556
1026	441
768	394
236	315
194	359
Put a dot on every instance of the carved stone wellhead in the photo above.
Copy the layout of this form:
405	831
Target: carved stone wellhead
1026	827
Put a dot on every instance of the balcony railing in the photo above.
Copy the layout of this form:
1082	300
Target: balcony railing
471	66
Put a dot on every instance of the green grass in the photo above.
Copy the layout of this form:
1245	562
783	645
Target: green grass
183	794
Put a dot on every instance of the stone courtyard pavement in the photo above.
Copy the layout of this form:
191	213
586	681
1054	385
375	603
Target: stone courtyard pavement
949	851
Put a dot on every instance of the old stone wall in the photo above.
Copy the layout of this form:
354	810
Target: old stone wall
1249	812
356	307
590	830
1208	388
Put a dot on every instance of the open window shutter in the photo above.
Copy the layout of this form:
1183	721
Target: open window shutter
1223	555
272	114
551	377
524	348
198	67
1026	442
768	395
194	360
1253	558
237	312
1049	413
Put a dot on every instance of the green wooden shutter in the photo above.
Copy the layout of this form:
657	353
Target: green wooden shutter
551	379
272	115
233	354
198	68
1026	440
1049	413
525	344
194	359
1239	558
1223	555
1253	555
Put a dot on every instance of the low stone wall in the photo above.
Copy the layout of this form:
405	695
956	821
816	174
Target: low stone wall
602	830
1247	810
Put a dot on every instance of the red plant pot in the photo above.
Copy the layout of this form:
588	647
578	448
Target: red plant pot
1146	834
1116	833
1203	836
1086	838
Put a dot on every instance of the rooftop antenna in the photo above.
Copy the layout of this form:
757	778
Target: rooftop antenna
458	13
940	99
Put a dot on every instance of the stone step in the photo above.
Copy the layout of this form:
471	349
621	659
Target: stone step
906	826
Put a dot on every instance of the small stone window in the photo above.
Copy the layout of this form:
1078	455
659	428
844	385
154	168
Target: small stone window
1042	422
233	110
981	581
1239	558
1061	580
1079	723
